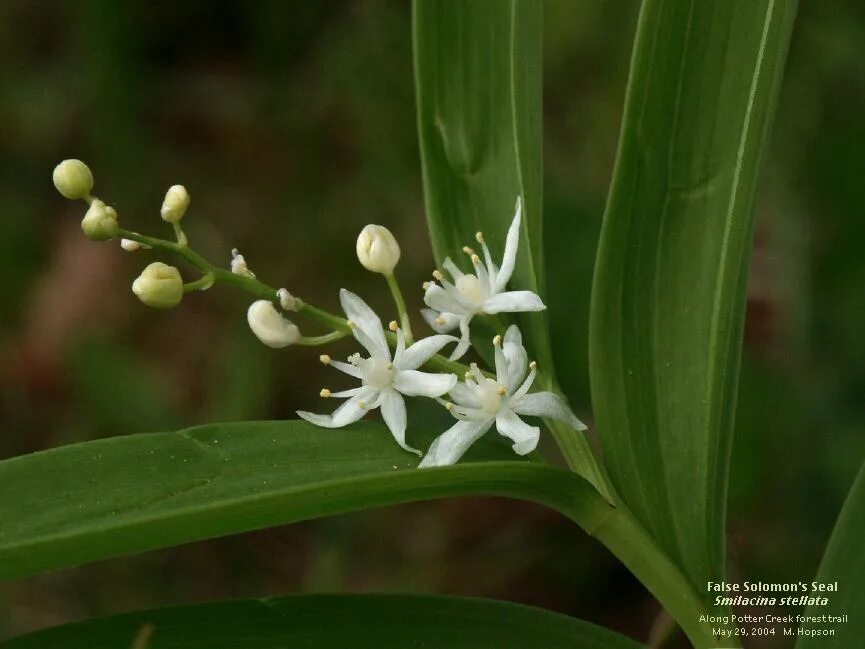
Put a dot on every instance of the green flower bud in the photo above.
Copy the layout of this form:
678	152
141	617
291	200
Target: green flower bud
377	249
175	204
73	179
159	286
100	222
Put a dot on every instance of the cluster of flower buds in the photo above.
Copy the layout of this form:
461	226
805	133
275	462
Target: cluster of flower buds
159	286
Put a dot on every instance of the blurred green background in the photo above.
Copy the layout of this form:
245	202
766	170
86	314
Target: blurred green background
292	126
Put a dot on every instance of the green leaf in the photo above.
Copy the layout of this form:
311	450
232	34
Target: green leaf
121	495
327	621
844	564
668	298
478	77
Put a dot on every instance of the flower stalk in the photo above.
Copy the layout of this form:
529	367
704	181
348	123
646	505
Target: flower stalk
405	321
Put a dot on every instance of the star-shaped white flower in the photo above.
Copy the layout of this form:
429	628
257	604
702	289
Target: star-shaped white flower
455	304
481	402
383	379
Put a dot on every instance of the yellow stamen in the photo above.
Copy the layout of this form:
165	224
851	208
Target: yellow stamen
392	325
475	259
479	237
449	405
325	393
502	392
468	250
468	375
439	320
425	286
438	275
351	324
325	359
533	364
497	341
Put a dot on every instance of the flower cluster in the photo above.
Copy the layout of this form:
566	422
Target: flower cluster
389	369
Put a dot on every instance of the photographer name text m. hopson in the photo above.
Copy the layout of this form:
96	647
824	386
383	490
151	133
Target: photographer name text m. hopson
764	587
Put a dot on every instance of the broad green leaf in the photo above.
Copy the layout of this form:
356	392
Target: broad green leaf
331	621
844	564
479	89
117	496
668	298
122	495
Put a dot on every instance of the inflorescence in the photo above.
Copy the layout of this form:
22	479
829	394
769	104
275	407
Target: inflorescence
390	367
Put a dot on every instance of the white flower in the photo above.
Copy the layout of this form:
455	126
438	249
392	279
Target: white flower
377	249
455	304
159	286
269	326
383	379
481	402
175	204
73	179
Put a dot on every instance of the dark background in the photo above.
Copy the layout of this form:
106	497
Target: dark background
292	126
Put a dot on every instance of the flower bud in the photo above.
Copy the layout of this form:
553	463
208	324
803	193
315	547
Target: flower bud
269	326
175	204
159	286
100	222
73	179
377	249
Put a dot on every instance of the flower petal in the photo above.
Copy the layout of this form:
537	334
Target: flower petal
526	386
450	320
490	269
546	404
452	444
525	437
465	342
345	394
393	412
464	395
419	353
441	300
513	336
452	268
511	244
348	368
400	345
347	413
423	384
513	302
367	322
516	356
501	364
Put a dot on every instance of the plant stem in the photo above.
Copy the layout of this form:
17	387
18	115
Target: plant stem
314	341
663	631
405	323
180	235
639	552
201	284
262	290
